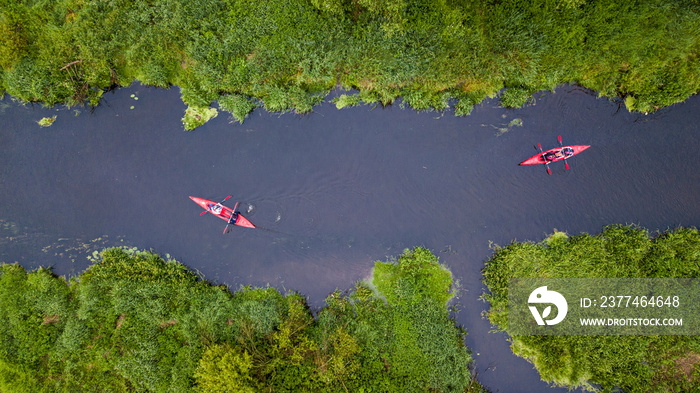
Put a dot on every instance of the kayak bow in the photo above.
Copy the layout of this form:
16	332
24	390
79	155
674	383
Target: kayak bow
223	212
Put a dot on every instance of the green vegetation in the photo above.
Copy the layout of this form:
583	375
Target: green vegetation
47	121
288	56
195	117
631	363
136	322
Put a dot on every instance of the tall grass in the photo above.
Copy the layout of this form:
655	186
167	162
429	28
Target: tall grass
594	363
136	322
289	55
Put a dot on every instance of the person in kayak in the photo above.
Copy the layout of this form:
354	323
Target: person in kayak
216	209
234	218
553	155
558	154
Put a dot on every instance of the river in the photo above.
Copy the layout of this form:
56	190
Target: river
336	190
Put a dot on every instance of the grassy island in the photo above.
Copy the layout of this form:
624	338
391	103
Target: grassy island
136	322
287	55
602	363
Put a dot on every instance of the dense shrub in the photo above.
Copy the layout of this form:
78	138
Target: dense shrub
631	363
136	322
290	54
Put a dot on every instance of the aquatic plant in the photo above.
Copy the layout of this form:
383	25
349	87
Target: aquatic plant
47	121
345	100
196	116
517	122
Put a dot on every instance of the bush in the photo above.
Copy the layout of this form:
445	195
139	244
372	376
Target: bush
136	322
239	106
593	363
290	56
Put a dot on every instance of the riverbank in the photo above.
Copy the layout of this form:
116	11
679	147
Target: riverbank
287	58
134	321
641	363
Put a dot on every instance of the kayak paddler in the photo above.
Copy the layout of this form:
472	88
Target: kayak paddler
234	218
553	155
561	153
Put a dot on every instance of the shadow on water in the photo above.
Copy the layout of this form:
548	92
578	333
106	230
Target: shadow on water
334	191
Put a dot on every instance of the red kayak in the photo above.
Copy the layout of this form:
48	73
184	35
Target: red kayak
231	216
557	154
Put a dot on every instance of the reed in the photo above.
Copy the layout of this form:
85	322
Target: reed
134	321
601	363
289	56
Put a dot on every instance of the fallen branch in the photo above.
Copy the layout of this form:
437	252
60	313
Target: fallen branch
70	64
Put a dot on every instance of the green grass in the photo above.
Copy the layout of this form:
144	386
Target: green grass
288	56
136	322
239	106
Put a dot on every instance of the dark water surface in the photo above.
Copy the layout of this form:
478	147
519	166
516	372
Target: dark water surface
334	191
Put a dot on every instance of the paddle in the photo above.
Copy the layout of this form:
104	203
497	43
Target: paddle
562	152
233	212
545	159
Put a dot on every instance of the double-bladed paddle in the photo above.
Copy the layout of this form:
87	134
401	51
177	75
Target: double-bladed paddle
545	159
233	213
562	152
